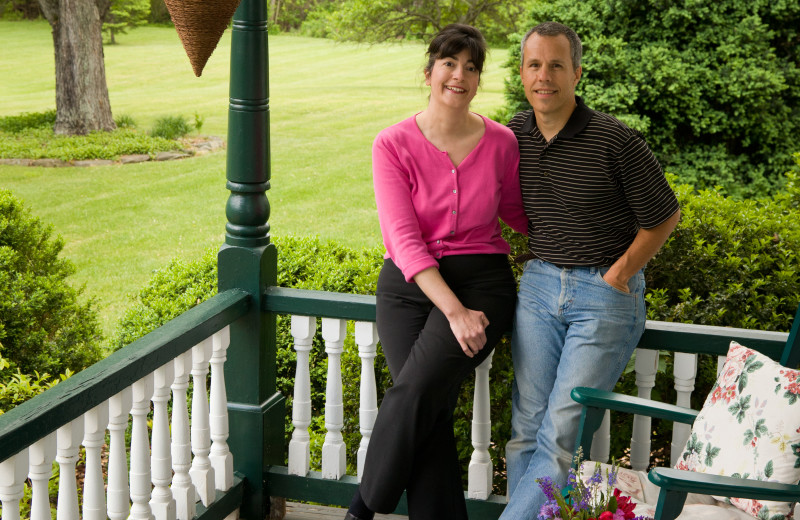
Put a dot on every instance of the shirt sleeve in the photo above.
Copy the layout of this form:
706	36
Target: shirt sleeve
511	210
646	188
398	220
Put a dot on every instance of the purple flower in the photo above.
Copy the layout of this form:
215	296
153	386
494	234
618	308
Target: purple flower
597	478
572	479
586	496
549	510
548	488
612	476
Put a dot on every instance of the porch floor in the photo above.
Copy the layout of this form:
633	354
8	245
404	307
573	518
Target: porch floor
295	511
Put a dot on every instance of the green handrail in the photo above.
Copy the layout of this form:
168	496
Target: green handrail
36	418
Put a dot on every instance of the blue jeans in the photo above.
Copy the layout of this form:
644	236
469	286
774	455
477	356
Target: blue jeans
571	329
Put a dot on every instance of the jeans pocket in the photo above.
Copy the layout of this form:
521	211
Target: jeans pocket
631	290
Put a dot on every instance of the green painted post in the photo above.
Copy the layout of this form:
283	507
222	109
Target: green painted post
248	261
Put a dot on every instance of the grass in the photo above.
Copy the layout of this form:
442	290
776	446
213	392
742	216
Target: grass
327	102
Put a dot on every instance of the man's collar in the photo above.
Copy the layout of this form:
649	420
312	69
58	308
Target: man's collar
577	120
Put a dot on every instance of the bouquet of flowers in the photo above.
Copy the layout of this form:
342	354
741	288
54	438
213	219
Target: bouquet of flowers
596	499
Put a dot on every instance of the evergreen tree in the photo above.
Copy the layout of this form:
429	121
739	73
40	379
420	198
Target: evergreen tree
123	15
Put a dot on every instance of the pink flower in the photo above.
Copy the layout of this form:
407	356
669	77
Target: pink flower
733	369
729	393
606	515
748	505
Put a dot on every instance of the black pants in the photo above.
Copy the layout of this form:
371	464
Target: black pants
412	446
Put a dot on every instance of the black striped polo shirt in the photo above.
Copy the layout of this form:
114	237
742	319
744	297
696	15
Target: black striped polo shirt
590	189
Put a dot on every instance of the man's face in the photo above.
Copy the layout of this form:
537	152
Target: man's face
548	76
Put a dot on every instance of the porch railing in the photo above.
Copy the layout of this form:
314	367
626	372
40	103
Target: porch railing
332	486
180	469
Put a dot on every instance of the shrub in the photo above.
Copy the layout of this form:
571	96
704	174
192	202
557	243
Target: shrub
16	388
42	143
43	325
715	86
171	127
24	121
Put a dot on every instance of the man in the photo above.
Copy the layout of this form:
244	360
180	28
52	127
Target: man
599	208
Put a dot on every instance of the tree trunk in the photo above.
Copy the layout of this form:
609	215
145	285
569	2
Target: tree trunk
82	103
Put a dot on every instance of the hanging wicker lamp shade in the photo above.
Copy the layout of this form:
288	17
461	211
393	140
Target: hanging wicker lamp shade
200	24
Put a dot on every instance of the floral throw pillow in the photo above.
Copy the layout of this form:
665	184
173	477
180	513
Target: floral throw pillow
749	427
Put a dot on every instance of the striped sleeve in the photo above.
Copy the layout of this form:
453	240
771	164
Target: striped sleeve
646	189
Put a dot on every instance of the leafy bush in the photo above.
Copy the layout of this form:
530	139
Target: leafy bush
730	263
715	86
24	121
43	325
42	143
16	388
171	127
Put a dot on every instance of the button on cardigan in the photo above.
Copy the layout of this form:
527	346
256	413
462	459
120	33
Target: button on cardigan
429	208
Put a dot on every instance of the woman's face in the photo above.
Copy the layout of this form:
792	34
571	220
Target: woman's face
453	80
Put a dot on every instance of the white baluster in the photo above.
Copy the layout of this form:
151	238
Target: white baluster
68	444
367	341
221	456
685	370
41	455
13	471
646	367
95	422
303	329
333	449
119	408
162	504
142	392
182	487
601	441
202	473
479	483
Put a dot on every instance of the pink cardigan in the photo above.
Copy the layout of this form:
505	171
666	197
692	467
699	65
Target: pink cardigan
428	208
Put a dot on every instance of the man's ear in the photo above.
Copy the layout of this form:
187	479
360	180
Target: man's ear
578	73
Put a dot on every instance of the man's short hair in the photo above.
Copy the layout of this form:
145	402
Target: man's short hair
554	29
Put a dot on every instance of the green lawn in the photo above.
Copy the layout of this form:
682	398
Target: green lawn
327	102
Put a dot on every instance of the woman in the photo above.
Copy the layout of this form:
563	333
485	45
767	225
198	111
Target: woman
445	293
